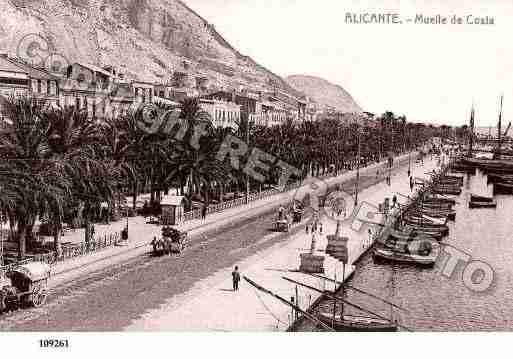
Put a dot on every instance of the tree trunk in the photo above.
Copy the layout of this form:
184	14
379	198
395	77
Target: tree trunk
134	199
56	242
87	231
22	245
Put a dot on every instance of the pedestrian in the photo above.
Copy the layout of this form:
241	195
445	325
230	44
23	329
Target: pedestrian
411	184
154	244
204	212
236	279
320	228
92	231
307	229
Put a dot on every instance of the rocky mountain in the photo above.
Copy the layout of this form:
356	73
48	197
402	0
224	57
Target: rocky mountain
146	39
324	92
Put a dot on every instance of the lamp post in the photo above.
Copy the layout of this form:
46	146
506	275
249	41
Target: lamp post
357	165
1	239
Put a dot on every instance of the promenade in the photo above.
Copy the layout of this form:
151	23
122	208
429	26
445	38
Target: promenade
211	305
141	233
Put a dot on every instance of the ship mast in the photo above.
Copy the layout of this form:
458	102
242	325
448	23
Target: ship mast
471	140
499	128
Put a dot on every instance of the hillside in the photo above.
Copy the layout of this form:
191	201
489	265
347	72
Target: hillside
324	92
146	39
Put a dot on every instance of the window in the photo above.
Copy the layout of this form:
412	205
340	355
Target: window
94	110
48	87
77	102
39	86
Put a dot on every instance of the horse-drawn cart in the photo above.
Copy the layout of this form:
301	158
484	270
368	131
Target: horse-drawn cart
172	241
282	225
28	286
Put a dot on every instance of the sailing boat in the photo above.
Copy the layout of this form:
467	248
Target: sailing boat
497	154
331	312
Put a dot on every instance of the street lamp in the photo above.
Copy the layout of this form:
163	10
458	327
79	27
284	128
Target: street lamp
357	165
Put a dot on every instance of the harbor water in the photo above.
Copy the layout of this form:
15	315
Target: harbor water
432	300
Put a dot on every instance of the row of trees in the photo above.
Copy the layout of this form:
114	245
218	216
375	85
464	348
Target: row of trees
60	165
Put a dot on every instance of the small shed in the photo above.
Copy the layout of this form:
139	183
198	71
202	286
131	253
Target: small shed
172	210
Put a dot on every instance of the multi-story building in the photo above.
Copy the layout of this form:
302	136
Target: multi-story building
223	113
243	103
20	79
103	93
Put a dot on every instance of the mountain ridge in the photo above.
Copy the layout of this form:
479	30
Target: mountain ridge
146	39
324	92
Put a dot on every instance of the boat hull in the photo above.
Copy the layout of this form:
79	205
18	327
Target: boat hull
485	204
355	323
391	256
502	188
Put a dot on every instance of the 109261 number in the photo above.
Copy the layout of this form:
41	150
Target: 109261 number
53	343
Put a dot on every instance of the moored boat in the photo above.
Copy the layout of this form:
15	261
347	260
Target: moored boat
437	232
438	199
355	323
407	258
446	190
450	214
482	204
495	177
477	198
420	218
503	188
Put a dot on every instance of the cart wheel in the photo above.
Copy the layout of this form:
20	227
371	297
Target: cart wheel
38	299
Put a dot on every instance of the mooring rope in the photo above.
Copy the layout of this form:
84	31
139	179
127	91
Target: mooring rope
267	308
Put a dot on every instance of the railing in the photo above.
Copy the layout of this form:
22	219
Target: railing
70	251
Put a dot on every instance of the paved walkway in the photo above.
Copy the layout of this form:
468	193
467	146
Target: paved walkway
212	306
141	233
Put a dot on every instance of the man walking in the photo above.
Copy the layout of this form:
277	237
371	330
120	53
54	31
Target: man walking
204	211
236	279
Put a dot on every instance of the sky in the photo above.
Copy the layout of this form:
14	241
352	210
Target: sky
429	72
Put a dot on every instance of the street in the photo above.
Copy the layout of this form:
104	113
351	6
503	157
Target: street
112	298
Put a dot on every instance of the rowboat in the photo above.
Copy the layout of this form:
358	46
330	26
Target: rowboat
462	168
450	214
437	199
407	258
482	204
436	206
450	182
419	218
476	198
437	232
403	238
503	188
428	227
453	177
495	177
354	323
446	190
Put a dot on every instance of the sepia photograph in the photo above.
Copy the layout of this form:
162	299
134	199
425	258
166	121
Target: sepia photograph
255	167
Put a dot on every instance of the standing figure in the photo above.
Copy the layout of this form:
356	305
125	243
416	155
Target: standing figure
236	279
204	211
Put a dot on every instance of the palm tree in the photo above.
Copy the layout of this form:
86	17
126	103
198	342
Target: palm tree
34	184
